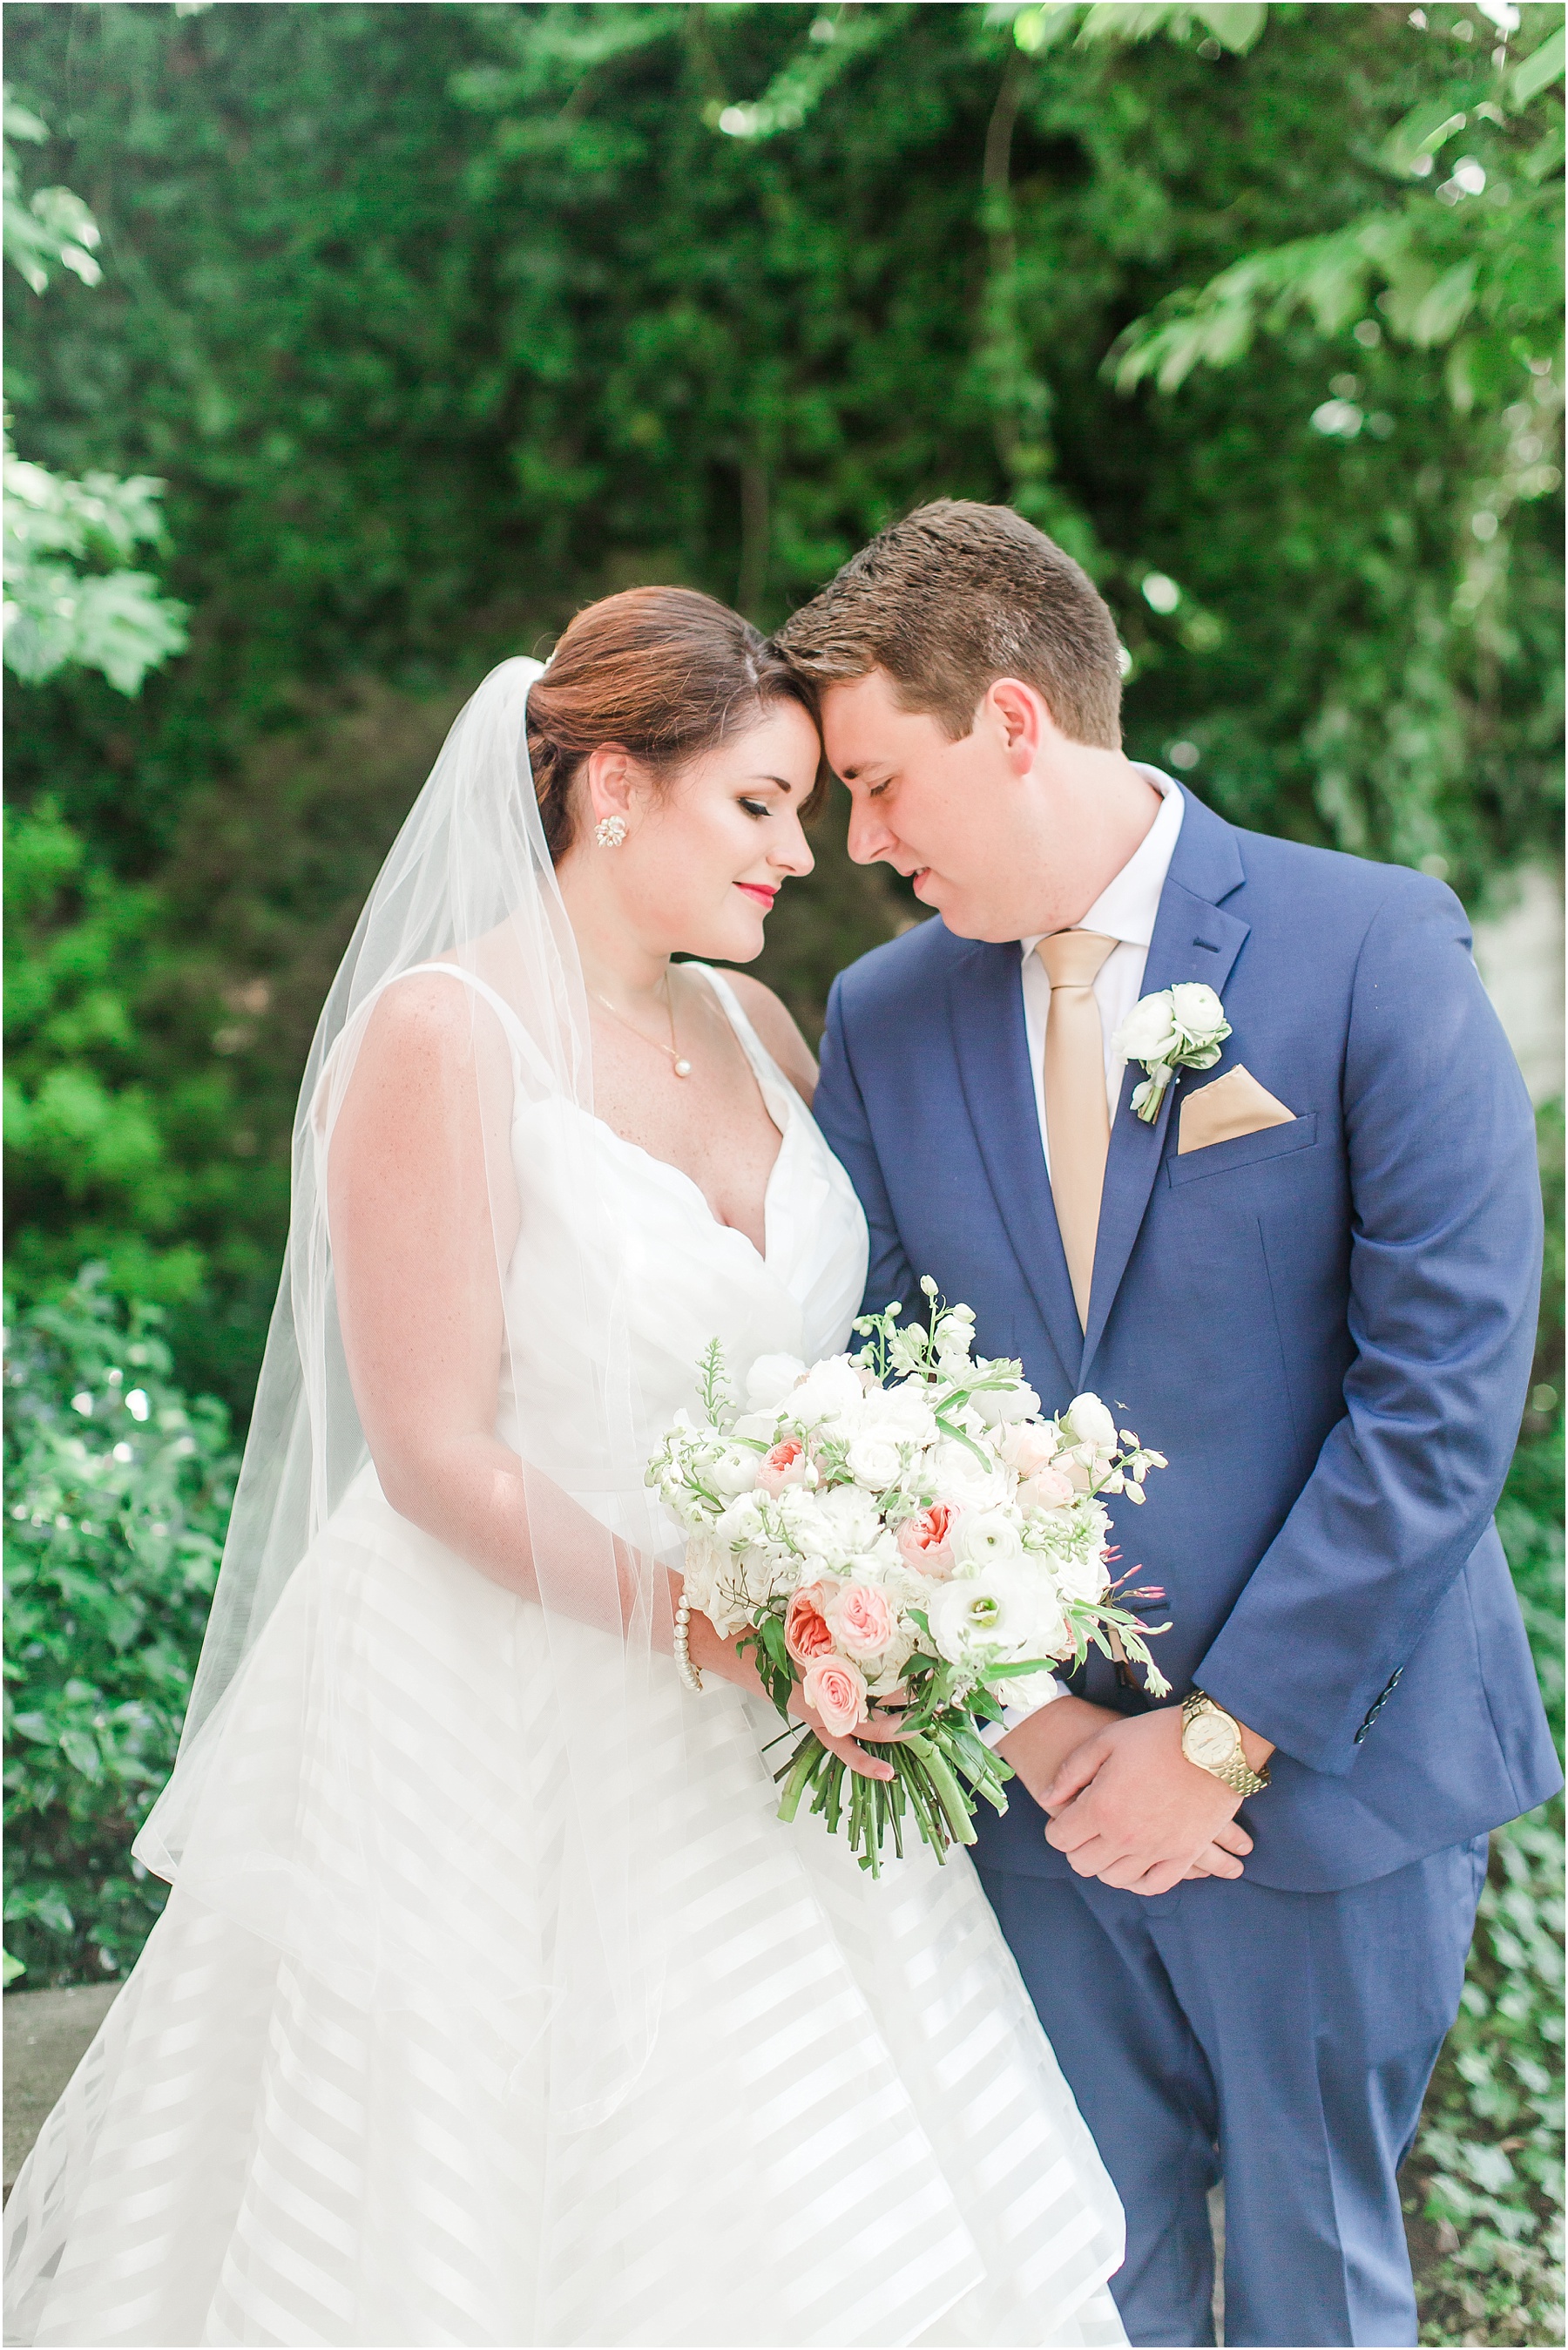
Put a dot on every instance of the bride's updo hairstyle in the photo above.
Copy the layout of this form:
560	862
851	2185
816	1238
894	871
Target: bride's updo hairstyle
664	672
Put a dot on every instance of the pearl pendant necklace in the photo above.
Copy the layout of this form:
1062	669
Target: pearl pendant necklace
681	1067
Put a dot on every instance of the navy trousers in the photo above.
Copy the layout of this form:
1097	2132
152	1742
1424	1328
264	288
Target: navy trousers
1281	2041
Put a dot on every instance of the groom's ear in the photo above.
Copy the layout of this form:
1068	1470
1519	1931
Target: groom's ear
1017	714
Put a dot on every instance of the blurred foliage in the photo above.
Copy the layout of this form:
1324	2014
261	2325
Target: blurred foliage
117	1493
436	321
113	618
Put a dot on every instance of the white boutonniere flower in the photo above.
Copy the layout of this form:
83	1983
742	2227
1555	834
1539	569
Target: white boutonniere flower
1180	1028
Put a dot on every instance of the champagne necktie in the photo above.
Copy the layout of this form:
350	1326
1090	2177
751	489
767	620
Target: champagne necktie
1077	1115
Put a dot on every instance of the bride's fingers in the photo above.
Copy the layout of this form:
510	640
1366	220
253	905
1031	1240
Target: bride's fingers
865	1766
882	1726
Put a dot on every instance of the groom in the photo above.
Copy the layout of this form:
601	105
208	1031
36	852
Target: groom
1311	1281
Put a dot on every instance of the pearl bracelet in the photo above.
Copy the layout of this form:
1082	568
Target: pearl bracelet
690	1677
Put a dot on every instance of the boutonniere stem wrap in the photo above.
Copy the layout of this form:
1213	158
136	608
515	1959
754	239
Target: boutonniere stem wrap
1180	1028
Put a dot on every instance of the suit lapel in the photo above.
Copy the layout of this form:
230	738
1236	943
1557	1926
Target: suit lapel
1194	938
986	1001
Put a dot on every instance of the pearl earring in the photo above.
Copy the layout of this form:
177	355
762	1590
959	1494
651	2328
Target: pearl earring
610	831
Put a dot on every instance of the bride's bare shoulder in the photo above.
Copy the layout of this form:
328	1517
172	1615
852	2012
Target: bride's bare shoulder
779	1033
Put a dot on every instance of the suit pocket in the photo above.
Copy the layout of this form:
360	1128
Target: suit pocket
1243	1150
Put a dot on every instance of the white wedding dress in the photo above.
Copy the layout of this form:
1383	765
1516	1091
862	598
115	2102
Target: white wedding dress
851	2128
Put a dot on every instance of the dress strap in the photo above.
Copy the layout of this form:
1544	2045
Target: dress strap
517	1034
768	1074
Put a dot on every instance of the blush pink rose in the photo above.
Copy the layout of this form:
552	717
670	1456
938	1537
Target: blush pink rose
1027	1450
836	1692
924	1541
861	1618
806	1633
784	1466
1047	1489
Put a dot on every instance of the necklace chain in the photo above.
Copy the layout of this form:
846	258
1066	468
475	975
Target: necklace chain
682	1067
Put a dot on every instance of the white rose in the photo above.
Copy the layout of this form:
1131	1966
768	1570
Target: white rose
984	1535
1089	1422
901	1411
831	1393
1149	1032
1197	1013
770	1380
1084	1579
874	1460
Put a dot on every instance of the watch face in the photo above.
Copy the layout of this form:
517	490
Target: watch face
1210	1742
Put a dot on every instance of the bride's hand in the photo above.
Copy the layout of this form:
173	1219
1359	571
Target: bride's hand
880	1726
709	1654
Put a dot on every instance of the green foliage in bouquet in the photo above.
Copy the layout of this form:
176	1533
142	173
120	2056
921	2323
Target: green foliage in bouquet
117	1493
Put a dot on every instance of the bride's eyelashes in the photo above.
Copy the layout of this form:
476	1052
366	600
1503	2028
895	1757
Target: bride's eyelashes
756	808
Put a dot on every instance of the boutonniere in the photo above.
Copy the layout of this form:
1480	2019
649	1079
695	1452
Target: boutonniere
1180	1028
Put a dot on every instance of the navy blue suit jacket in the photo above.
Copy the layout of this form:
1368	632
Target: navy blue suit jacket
1327	1326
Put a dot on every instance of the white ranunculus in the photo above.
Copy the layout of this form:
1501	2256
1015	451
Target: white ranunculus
770	1380
1149	1032
1090	1423
1005	1612
983	1536
733	1471
1197	1013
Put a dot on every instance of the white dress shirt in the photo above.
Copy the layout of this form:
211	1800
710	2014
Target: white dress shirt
1126	910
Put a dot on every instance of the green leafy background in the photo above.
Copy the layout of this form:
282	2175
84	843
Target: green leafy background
352	347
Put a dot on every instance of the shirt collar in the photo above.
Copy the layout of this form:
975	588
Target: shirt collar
1128	905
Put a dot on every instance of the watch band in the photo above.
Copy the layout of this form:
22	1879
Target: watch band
1236	1773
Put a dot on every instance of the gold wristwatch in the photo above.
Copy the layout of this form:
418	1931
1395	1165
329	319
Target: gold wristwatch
1211	1739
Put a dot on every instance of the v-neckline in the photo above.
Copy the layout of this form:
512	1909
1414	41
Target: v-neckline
722	997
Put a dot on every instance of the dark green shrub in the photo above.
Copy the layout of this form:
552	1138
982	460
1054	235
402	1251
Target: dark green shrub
117	1492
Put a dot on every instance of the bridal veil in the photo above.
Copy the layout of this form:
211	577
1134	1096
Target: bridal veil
468	882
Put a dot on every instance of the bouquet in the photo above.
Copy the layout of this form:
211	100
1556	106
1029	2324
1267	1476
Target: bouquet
900	1528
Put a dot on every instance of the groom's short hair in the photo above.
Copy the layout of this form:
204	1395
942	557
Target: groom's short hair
954	597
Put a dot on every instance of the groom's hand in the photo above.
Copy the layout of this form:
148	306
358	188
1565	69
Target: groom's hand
1129	1808
1046	1750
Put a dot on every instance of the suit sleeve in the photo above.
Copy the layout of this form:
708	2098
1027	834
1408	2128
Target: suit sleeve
1445	1268
841	1113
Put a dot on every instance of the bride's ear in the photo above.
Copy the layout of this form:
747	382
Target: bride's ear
615	782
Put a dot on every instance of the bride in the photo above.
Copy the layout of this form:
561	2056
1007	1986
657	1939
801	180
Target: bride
491	2002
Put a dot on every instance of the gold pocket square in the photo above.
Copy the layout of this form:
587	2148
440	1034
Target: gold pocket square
1234	1105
